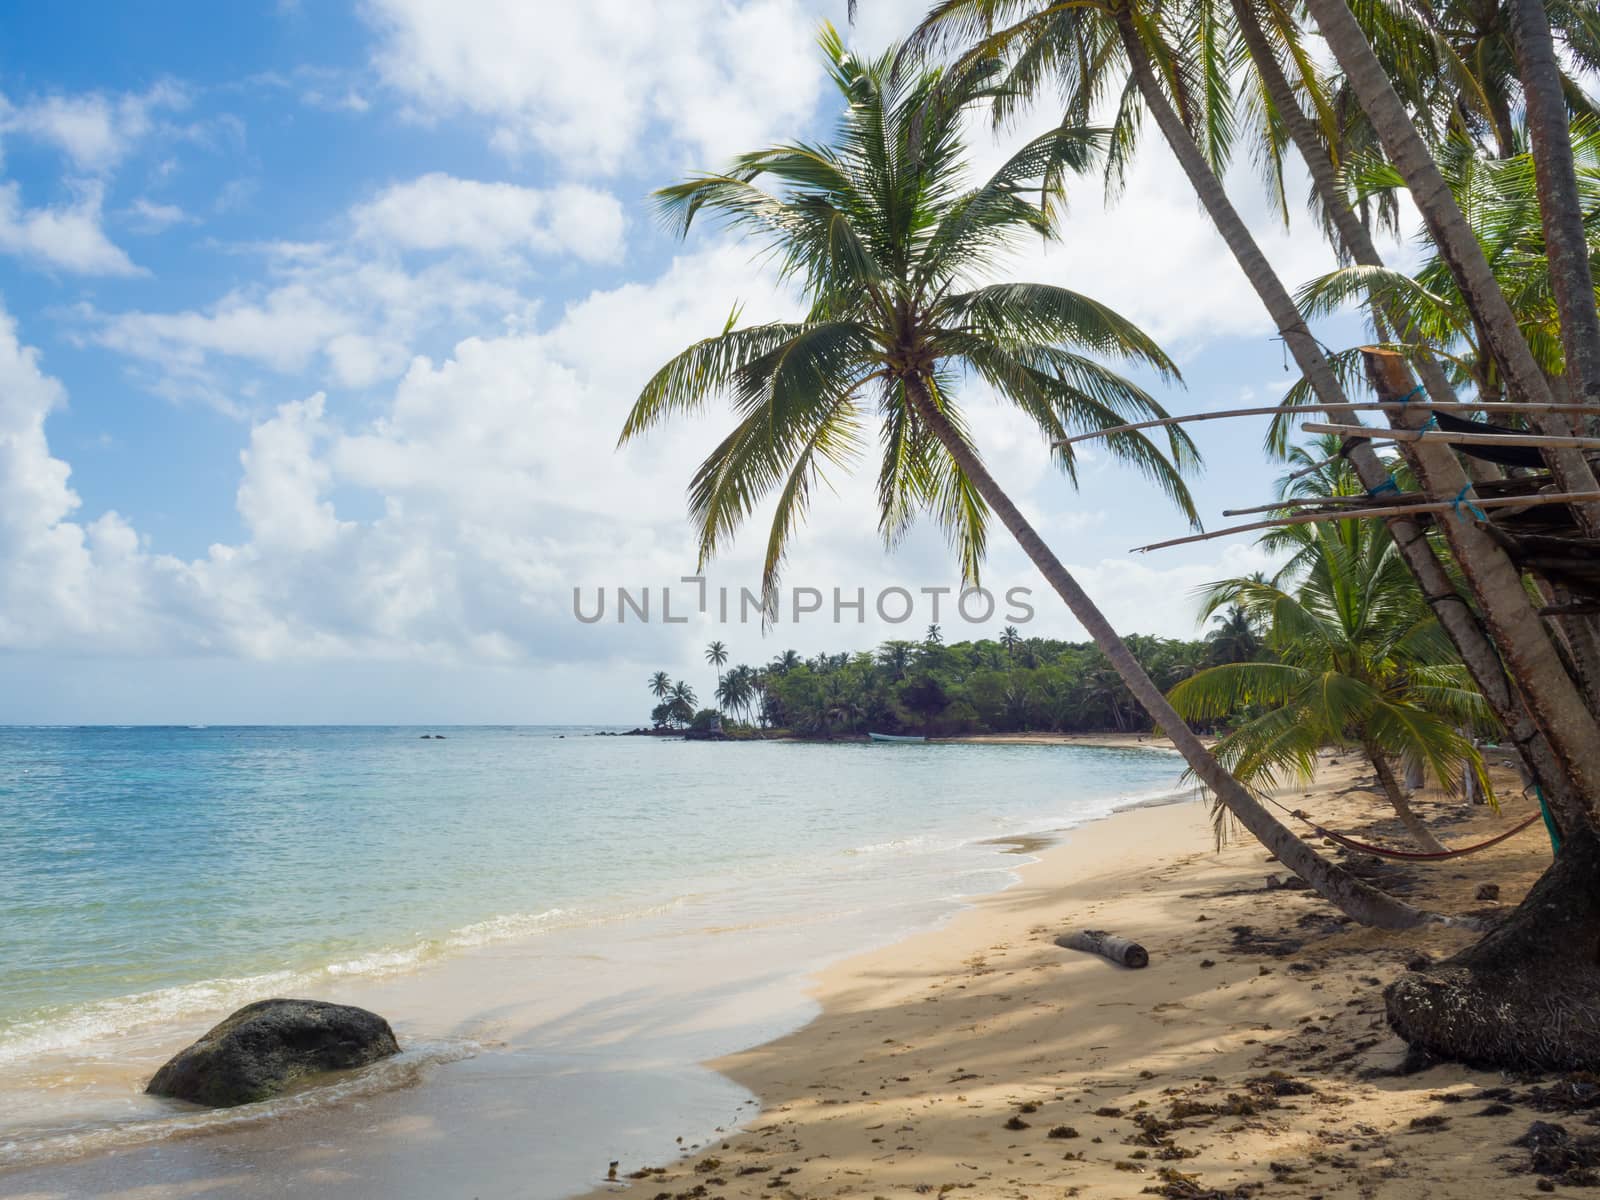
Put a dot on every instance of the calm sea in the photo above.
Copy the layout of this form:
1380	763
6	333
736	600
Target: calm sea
152	877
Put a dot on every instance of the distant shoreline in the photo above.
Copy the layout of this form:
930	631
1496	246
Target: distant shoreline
1104	741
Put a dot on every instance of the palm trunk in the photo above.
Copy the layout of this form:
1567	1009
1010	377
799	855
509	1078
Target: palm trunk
1455	616
1365	904
1566	248
1457	244
1554	704
1398	801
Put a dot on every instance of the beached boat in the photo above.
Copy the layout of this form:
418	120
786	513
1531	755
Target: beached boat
894	737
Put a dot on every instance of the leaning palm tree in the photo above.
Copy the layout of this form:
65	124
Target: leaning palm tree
1084	47
1359	659
893	250
660	685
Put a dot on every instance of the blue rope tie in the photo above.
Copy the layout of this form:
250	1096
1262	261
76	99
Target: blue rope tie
1388	485
1461	499
1549	820
1409	396
1430	423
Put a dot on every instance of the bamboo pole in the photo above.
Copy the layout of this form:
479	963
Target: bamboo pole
1363	406
1458	439
1297	502
1389	510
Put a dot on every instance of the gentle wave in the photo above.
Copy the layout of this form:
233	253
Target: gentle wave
402	1070
86	1023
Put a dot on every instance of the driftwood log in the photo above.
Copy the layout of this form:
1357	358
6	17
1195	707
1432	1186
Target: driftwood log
1107	945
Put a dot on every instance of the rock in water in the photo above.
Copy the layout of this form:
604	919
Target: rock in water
261	1049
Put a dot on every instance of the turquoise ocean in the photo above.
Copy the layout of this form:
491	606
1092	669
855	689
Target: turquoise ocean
153	878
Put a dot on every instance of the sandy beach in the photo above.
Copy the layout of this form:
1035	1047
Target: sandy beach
1250	1058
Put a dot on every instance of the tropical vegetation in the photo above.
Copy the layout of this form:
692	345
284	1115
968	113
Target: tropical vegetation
1482	116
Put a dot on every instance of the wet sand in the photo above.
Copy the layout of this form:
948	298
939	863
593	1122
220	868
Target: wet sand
981	1059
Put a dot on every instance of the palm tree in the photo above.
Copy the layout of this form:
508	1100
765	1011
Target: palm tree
1010	638
1079	44
1452	233
934	636
896	658
1546	89
717	655
890	247
660	685
1234	640
1318	147
1499	199
1359	659
681	702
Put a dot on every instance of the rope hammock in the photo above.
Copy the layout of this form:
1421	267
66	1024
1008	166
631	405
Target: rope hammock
1415	855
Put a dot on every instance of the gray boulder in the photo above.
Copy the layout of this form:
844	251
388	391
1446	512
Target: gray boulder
264	1047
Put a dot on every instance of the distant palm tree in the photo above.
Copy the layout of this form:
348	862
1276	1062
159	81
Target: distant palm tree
934	636
1010	639
660	685
1234	639
733	691
896	657
717	655
682	703
785	662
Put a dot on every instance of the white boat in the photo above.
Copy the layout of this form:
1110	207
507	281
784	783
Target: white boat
894	737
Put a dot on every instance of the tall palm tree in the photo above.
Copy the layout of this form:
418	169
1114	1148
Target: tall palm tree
1078	45
934	636
717	656
891	250
1358	659
1452	233
1009	638
1546	92
660	685
1264	27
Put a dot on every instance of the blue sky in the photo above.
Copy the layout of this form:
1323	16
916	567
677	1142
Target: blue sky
320	321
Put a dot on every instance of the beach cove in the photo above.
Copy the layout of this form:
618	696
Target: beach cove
964	1056
552	1031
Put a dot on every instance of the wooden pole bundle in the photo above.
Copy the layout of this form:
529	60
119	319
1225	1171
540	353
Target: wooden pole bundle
1362	406
1119	950
1458	439
1385	510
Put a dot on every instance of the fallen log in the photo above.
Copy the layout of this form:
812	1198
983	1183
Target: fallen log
1119	950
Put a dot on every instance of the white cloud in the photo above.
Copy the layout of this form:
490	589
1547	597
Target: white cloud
497	492
440	212
588	83
67	237
93	130
147	216
348	310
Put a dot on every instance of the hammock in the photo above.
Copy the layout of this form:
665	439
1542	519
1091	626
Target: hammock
1417	855
1506	456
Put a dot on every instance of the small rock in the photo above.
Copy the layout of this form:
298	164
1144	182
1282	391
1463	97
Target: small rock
1488	891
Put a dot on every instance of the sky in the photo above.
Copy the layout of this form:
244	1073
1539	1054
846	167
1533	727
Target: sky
318	324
